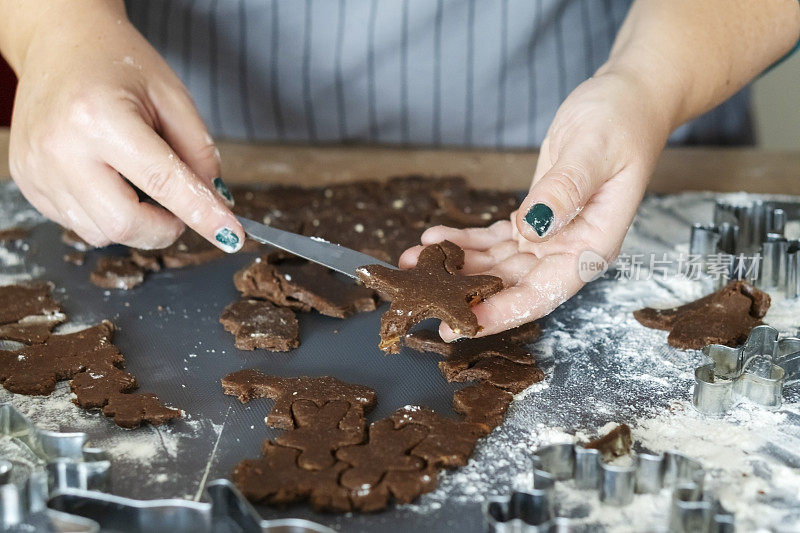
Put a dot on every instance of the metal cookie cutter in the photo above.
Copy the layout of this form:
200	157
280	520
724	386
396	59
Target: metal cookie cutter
749	239
754	221
758	370
227	511
68	463
780	265
535	510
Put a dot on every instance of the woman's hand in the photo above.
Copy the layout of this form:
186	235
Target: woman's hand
96	102
671	61
591	174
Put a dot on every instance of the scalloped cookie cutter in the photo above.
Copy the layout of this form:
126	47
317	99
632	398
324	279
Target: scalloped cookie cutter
534	510
68	463
758	371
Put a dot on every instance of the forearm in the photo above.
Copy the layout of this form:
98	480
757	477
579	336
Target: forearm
22	20
693	55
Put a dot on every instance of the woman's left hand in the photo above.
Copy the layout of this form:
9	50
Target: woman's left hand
591	174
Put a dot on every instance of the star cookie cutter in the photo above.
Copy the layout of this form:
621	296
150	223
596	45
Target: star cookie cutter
536	510
226	510
68	463
758	371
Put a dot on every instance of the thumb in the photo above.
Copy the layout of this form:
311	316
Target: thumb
560	192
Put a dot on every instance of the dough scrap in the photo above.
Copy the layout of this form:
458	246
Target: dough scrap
259	324
722	317
75	258
500	359
432	289
23	300
463	207
36	369
34	329
14	234
483	404
73	240
116	273
615	443
249	384
189	249
289	281
132	410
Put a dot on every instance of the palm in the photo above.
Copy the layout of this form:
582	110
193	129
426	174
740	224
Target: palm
592	170
537	277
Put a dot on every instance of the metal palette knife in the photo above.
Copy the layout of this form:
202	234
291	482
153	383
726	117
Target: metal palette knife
336	257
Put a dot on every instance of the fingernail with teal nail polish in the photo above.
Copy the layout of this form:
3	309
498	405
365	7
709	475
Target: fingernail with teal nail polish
223	191
228	239
539	217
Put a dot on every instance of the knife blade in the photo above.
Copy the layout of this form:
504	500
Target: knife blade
316	250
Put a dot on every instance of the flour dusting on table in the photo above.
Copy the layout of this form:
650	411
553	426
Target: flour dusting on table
603	368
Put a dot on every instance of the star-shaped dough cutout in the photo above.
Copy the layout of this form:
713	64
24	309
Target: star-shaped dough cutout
432	289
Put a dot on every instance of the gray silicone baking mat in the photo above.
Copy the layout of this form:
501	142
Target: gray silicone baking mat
601	367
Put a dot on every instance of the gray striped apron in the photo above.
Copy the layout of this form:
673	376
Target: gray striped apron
484	73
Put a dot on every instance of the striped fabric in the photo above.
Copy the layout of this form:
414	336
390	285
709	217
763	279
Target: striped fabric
488	73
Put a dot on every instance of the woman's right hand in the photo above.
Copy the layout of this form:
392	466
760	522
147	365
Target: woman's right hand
95	102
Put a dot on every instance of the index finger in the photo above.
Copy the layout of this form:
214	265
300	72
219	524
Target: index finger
139	154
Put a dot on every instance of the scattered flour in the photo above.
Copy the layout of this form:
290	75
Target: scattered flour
603	368
9	258
73	327
56	412
751	456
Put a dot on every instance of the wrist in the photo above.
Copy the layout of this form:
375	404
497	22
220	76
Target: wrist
54	24
658	90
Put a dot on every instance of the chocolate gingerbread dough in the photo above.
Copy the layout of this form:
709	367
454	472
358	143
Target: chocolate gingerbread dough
615	443
500	359
432	289
87	358
14	234
320	431
379	219
259	324
723	317
75	258
448	444
327	457
73	240
31	329
249	384
28	299
28	313
116	273
289	281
